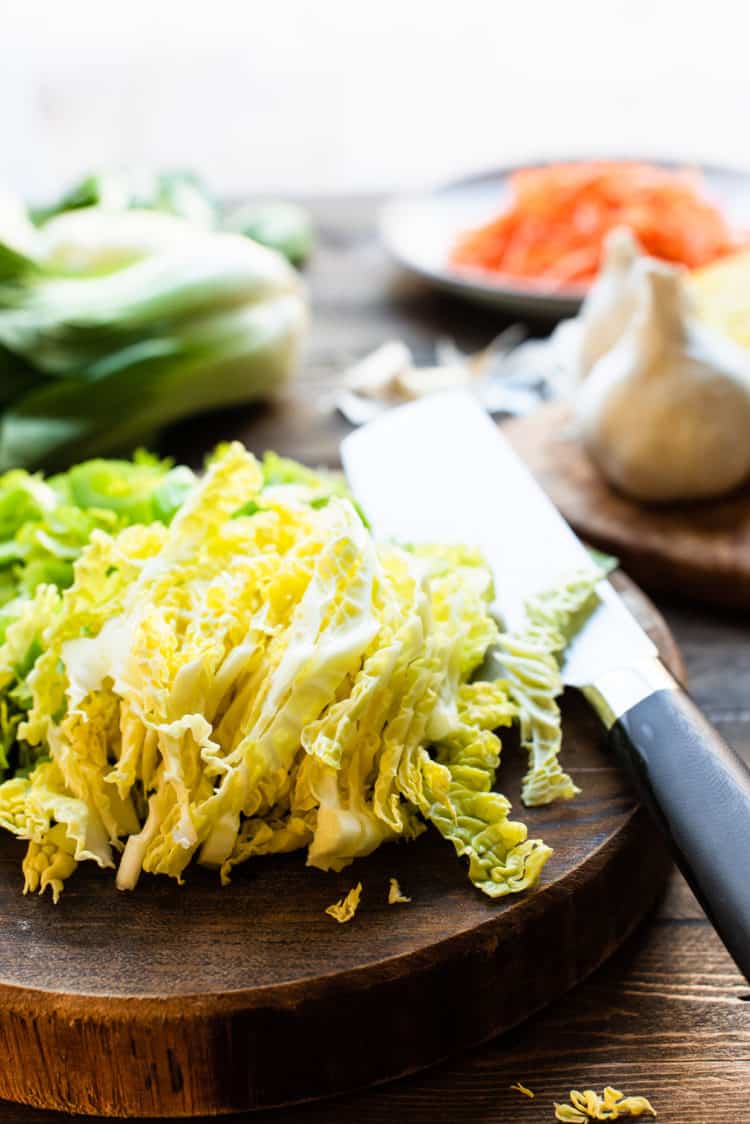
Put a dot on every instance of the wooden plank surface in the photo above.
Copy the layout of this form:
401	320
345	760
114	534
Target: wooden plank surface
669	1015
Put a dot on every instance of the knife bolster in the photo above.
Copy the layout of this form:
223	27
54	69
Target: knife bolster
614	692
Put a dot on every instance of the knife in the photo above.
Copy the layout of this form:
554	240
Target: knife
439	470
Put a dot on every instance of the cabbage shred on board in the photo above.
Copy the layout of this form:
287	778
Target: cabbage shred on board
211	669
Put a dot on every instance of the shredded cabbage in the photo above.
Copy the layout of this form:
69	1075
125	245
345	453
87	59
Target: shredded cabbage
530	662
233	666
344	910
396	896
44	527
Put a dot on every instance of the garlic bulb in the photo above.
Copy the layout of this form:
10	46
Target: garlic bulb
610	303
666	413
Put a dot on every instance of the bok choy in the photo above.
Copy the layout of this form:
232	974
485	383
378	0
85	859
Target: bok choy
281	225
114	324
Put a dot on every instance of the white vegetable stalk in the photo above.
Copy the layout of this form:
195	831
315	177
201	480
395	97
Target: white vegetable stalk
94	240
165	320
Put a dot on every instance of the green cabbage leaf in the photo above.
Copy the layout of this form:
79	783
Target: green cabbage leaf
233	666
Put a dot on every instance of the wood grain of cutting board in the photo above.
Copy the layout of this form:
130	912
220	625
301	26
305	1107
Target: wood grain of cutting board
698	551
175	1001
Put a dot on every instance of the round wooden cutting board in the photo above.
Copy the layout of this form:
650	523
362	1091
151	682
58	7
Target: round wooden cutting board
699	550
174	1001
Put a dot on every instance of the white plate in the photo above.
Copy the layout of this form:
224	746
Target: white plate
420	231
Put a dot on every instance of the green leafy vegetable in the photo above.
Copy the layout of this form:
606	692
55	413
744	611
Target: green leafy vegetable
285	227
93	242
178	193
44	527
455	792
212	320
530	663
282	226
126	309
244	670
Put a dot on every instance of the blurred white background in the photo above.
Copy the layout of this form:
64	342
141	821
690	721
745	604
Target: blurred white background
305	96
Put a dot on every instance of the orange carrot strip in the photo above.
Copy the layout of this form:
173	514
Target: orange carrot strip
559	215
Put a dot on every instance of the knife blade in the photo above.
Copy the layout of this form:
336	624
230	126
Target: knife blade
438	470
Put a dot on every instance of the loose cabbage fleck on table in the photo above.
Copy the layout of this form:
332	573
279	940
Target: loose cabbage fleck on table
220	667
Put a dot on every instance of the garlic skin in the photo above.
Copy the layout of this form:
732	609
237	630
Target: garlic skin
375	374
666	413
610	303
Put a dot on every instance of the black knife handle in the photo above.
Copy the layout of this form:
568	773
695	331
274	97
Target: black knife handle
699	791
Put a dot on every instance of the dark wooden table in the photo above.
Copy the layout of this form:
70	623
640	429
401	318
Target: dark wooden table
669	1015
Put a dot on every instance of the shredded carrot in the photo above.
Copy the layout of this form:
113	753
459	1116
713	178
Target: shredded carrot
552	233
